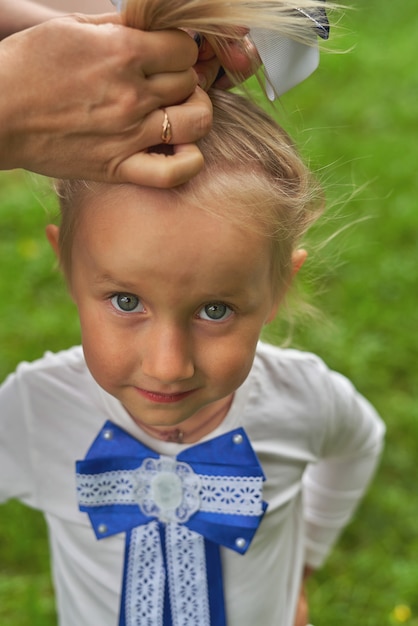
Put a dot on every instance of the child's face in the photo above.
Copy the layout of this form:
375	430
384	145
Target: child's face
171	302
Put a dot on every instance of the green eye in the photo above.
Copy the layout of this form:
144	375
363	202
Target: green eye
215	312
127	303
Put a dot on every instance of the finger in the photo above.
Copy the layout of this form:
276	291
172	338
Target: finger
240	57
206	51
241	61
163	50
224	82
167	89
207	72
161	170
189	121
155	51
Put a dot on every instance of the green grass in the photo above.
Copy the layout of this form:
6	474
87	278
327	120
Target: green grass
357	122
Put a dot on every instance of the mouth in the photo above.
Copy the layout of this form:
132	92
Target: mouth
163	398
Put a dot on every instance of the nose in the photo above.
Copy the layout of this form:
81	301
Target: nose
167	354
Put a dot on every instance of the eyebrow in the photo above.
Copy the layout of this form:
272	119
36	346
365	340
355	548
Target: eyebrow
124	286
108	280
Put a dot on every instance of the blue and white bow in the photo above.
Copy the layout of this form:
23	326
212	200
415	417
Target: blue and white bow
176	512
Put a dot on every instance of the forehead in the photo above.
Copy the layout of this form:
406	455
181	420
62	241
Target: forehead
128	229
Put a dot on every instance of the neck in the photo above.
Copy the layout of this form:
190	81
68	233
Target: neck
193	428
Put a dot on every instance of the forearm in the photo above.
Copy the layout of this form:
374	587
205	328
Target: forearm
333	490
16	15
346	459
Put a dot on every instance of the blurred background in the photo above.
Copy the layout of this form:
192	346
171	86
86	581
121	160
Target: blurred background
356	122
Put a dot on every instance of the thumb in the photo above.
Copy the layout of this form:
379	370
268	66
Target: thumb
164	170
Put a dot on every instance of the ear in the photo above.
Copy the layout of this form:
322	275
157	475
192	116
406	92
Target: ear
52	234
273	311
298	259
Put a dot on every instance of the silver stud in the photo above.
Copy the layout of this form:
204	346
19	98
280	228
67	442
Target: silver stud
102	529
240	543
238	439
108	434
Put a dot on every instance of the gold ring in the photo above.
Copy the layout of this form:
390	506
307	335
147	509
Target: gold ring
166	134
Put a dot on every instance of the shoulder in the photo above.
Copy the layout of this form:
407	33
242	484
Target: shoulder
292	369
55	375
290	392
54	399
305	385
72	358
304	390
66	363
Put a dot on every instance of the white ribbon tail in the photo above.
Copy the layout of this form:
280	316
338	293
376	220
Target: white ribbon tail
145	577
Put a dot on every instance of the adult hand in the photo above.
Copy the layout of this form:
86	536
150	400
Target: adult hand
239	57
84	100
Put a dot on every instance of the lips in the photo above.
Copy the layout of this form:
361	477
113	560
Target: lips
163	398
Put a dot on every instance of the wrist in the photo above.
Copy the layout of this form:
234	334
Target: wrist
13	116
22	15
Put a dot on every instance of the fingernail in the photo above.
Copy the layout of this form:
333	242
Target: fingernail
198	39
220	74
201	81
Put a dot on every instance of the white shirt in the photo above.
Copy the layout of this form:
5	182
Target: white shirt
316	438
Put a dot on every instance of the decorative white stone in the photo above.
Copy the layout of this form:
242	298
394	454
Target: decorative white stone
168	489
240	542
238	438
102	529
108	434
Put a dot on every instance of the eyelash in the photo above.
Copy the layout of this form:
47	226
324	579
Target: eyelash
118	308
216	306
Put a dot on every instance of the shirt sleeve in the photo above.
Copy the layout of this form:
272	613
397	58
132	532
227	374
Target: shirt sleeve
15	453
348	457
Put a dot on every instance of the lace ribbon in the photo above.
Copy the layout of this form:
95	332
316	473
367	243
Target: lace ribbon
176	512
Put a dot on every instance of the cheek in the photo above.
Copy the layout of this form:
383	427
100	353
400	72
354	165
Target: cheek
104	356
98	361
231	363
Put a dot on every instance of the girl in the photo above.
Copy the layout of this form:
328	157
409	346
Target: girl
194	413
173	289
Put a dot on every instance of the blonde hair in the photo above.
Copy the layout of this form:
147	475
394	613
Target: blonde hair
220	21
255	178
253	174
